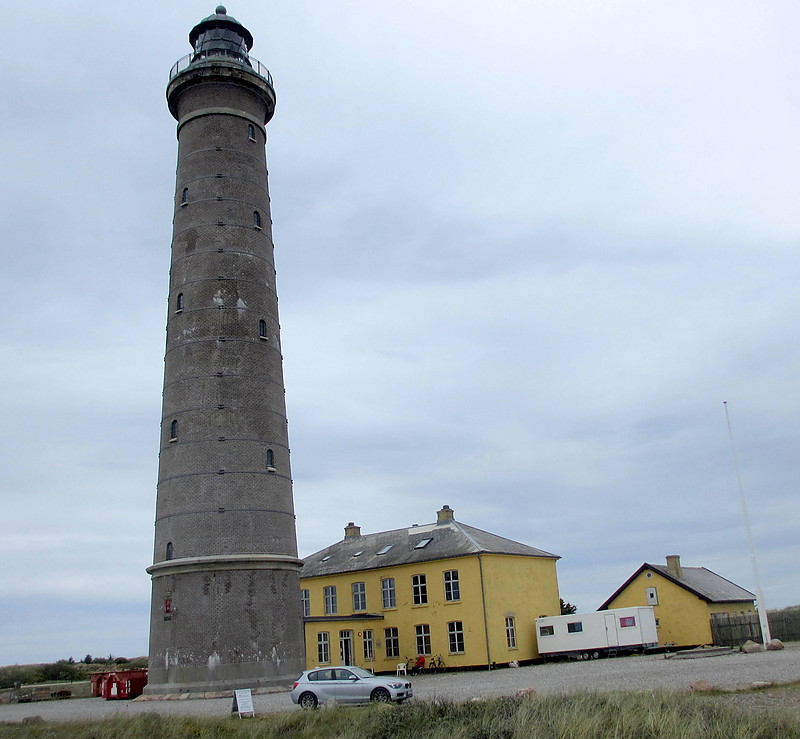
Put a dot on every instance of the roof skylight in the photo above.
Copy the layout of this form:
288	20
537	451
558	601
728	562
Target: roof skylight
385	549
325	558
422	543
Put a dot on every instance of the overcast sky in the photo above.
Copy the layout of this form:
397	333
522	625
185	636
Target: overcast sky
525	251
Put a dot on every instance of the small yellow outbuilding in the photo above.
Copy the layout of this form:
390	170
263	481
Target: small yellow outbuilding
444	590
683	600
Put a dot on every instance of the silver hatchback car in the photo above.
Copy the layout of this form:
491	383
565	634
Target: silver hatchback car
347	685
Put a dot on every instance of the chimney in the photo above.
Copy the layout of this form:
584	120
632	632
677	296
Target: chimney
351	531
444	515
674	565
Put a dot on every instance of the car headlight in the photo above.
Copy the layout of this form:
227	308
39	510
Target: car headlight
395	686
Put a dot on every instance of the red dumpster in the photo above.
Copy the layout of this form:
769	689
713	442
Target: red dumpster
120	684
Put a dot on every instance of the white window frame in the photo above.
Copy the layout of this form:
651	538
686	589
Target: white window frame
305	599
455	637
452	587
422	632
359	597
511	632
369	645
323	647
391	639
388	593
331	604
419	588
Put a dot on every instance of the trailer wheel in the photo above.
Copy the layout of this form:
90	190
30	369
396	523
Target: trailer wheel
595	655
585	655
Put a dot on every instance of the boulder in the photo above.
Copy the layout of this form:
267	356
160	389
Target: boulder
700	686
524	693
749	647
775	645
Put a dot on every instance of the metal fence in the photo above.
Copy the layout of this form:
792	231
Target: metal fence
249	61
733	631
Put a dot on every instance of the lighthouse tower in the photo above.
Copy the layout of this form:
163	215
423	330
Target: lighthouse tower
225	608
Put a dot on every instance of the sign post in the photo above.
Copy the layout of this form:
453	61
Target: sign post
243	703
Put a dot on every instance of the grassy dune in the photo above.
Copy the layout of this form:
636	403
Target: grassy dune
590	716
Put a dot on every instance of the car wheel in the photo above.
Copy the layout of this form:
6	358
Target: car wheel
308	700
380	695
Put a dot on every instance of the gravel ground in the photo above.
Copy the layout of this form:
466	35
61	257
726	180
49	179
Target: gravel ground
652	672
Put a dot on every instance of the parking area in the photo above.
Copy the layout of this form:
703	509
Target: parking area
651	672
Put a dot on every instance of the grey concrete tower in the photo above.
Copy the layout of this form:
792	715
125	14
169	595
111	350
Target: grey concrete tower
225	608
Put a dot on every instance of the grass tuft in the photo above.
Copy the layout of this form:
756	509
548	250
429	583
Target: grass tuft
658	715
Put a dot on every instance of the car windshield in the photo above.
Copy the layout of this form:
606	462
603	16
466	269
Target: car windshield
361	673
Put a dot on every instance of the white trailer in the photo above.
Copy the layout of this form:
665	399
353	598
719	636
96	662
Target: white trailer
597	634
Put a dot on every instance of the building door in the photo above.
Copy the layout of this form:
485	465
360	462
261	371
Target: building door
612	640
346	647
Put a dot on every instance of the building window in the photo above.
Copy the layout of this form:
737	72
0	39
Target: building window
305	599
369	645
422	543
170	550
185	196
651	595
455	636
627	621
173	430
451	588
251	132
388	596
385	549
262	329
359	597
511	632
576	627
179	302
423	634
323	647
330	600
391	638
256	219
546	631
270	459
419	586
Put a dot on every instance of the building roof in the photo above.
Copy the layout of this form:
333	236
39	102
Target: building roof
705	584
442	540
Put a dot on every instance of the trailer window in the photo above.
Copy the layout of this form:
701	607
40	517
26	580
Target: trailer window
575	627
546	631
627	621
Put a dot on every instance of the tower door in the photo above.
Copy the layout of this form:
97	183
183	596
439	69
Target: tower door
346	647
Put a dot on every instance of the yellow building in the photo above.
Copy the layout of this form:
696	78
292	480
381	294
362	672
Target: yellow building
439	590
683	600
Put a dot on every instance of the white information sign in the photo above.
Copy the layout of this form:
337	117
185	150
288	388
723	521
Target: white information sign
243	702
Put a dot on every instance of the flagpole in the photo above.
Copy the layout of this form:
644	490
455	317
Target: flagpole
762	606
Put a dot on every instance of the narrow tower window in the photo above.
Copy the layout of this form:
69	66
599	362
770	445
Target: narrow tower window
185	196
256	219
170	550
179	303
262	329
173	430
270	459
251	132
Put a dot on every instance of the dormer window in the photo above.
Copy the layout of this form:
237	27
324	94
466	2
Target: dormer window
385	549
